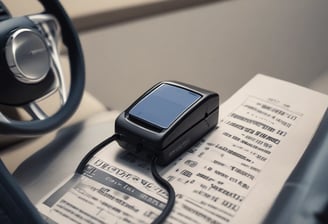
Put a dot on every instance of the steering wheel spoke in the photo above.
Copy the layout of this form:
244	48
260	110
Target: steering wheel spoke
49	26
3	118
35	111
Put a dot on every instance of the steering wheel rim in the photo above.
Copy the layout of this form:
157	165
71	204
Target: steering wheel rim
77	83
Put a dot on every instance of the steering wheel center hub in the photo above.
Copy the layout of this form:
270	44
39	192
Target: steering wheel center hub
27	56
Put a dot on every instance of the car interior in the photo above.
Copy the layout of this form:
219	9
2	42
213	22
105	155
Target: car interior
62	98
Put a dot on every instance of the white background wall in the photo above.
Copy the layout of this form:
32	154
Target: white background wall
218	46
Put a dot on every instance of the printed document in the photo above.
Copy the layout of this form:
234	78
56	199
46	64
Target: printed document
233	175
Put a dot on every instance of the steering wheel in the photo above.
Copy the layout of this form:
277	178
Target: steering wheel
30	69
29	72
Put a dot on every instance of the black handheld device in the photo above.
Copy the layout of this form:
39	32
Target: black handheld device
167	119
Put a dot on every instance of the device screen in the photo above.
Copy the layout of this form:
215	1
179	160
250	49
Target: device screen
164	105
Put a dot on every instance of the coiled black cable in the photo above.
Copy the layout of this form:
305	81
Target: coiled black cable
170	190
164	183
94	151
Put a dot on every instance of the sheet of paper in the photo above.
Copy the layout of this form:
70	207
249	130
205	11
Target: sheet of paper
233	175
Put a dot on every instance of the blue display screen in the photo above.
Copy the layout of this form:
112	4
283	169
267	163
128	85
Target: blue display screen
164	105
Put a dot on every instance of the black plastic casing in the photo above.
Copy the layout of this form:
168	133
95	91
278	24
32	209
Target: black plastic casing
196	121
